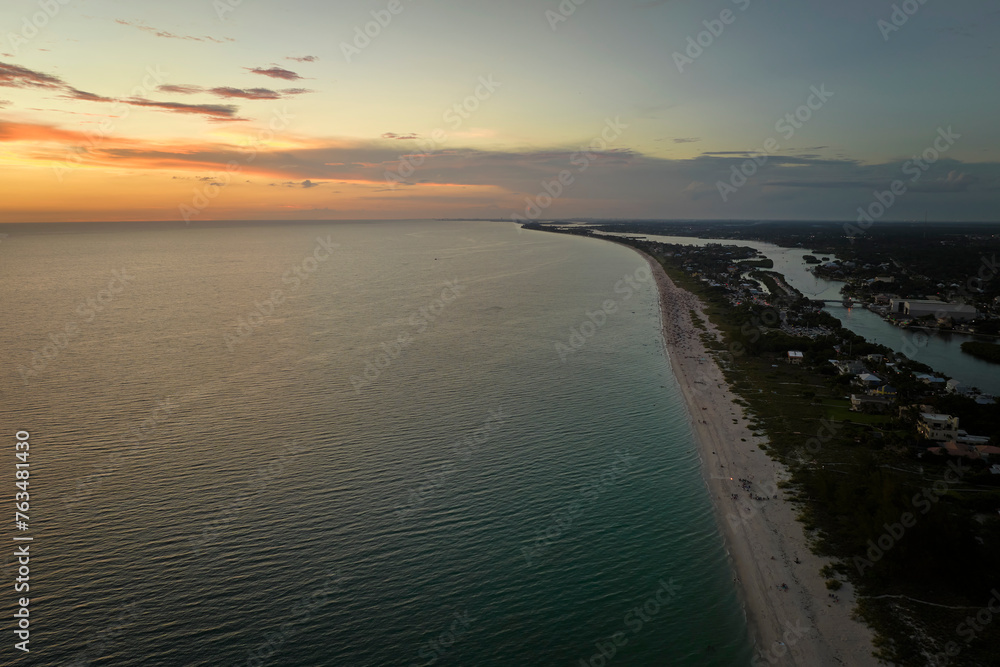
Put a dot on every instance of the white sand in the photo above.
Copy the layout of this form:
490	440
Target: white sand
800	626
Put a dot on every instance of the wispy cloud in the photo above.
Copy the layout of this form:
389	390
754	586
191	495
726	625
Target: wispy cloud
247	94
275	73
169	35
231	92
302	59
215	112
687	140
393	135
75	94
183	90
15	76
294	184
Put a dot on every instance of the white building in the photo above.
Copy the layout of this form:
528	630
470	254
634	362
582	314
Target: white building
939	309
937	427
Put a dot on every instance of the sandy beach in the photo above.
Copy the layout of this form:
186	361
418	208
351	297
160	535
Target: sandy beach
791	615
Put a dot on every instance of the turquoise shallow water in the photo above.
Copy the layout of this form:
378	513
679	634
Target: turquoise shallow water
364	450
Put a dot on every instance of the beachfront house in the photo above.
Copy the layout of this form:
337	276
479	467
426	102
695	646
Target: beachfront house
869	380
794	357
937	427
932	380
852	367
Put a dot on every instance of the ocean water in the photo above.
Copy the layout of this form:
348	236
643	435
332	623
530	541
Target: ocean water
407	443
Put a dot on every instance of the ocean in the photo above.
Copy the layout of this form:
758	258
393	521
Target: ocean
370	443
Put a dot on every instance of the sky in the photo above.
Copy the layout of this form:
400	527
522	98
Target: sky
524	109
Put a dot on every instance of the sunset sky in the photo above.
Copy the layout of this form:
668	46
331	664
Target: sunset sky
256	109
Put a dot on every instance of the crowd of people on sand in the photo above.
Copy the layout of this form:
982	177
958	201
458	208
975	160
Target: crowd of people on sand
747	486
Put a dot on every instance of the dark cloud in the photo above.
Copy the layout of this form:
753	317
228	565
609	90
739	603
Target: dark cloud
633	183
687	140
183	90
306	184
738	157
275	73
21	77
231	92
216	112
303	59
247	94
15	76
74	94
169	35
830	185
257	93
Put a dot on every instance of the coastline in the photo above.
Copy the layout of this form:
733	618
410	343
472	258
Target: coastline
766	543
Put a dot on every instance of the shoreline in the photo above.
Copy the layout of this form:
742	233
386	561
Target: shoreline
766	544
